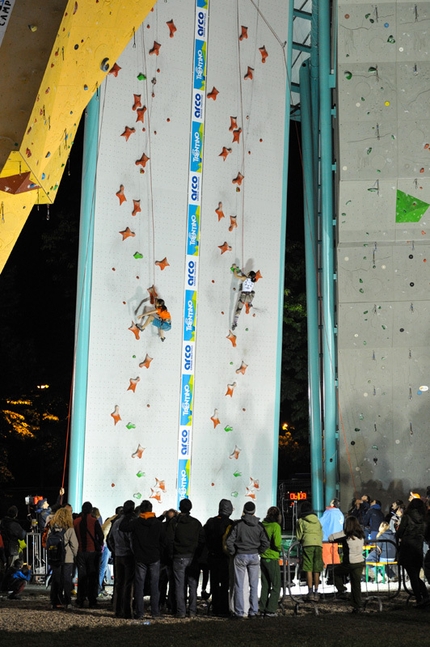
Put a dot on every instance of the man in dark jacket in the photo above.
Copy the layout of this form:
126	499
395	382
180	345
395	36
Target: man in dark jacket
185	540
119	543
246	542
215	529
372	520
11	532
90	537
147	539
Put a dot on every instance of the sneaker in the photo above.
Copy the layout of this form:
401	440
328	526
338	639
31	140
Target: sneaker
268	614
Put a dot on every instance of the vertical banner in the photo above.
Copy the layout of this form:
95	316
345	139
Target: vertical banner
192	249
6	7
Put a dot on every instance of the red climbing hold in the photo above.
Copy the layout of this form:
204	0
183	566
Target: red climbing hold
140	112
213	94
236	135
225	247
238	179
120	194
264	54
127	233
233	224
142	161
225	153
137	102
243	32
163	264
127	132
249	75
219	212
113	70
136	209
233	123
155	48
231	337
172	28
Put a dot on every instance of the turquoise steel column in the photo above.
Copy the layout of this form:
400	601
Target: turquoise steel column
82	336
311	252
327	252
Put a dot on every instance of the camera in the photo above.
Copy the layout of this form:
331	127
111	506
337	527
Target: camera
32	501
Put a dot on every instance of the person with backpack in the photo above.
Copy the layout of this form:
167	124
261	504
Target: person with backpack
90	538
61	551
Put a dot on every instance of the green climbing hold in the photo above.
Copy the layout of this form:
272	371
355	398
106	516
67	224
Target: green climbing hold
357	429
130	425
375	447
137	255
372	70
347	75
235	495
360	280
361	290
408	208
141	77
369	150
236	474
366	312
384	327
140	474
228	428
391	39
137	495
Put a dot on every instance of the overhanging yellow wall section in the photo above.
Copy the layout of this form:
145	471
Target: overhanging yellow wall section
53	58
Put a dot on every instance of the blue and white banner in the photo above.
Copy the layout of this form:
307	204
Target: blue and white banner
197	131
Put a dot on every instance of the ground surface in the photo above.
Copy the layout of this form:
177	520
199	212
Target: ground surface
30	622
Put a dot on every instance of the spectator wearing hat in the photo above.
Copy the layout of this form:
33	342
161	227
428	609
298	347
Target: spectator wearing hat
246	542
185	541
219	562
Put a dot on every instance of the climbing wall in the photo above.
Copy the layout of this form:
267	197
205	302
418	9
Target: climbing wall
190	179
383	247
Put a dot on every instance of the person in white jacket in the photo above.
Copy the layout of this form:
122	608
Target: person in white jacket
352	538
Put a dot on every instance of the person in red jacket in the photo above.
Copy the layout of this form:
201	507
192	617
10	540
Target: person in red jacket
90	537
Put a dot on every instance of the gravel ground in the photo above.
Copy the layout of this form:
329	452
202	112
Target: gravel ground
30	622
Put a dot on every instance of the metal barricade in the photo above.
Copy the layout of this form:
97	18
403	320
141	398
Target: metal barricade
35	556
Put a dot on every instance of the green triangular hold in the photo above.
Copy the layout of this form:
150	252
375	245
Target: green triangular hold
141	76
408	208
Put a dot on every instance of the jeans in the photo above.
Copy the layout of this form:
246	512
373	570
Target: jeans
186	574
251	565
141	571
103	565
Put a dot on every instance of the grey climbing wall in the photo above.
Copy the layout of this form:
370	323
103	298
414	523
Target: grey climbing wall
190	179
383	250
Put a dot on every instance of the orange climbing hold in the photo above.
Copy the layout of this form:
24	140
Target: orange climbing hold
120	194
142	161
135	330
255	484
146	362
115	414
225	153
133	383
136	207
249	75
155	495
258	276
225	247
172	28
233	223
152	294
163	264
242	368
219	212
235	453
250	494
213	93
238	179
127	132
236	135
230	389
155	48
160	485
243	32
215	418
127	233
264	54
232	337
139	452
233	123
137	102
140	114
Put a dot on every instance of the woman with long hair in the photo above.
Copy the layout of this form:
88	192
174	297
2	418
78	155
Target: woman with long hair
61	526
269	564
352	539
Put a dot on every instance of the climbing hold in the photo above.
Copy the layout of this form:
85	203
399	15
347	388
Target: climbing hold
230	389
127	233
172	28
137	102
163	264
127	132
235	453
142	161
250	493
227	428
133	383
232	337
130	425
140	474
215	418
140	112
152	294
225	153
139	452
114	69
120	194
234	494
155	495
146	362
104	65
347	75
238	179
219	212
249	74
115	415
213	94
242	368
391	39
137	255
233	223
137	495
243	32
264	54
136	207
236	135
141	76
233	123
135	330
160	485
155	48
225	247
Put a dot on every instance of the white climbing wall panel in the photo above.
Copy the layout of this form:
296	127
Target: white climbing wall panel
383	247
196	415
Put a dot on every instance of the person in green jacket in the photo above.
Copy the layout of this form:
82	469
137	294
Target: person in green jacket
309	533
269	565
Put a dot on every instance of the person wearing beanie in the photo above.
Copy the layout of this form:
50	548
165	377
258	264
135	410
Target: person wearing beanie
246	542
147	538
185	542
119	543
90	538
309	533
216	529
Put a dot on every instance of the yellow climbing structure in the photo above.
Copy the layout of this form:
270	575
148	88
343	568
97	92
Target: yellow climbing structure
52	61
